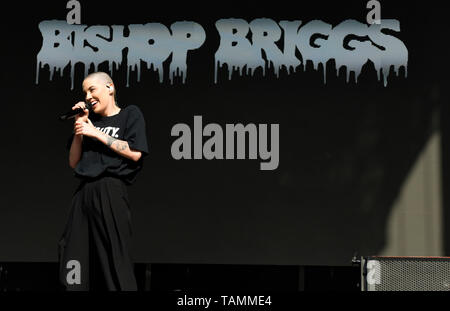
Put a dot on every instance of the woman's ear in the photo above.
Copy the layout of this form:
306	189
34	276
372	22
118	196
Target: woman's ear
110	87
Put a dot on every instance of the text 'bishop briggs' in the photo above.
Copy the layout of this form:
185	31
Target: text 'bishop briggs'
213	147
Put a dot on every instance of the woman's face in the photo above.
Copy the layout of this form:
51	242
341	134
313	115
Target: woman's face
98	94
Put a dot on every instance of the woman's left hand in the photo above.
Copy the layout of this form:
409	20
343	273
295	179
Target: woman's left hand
86	128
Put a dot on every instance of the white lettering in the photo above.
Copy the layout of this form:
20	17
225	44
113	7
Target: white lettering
246	138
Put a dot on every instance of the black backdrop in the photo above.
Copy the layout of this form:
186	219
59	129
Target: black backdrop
345	148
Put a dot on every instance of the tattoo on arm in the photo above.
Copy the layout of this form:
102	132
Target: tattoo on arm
120	146
109	140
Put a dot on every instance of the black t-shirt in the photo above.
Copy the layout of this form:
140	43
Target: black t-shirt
98	159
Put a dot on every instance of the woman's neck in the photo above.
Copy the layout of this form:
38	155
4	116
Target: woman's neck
111	110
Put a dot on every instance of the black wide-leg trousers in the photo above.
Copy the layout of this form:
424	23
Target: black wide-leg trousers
94	250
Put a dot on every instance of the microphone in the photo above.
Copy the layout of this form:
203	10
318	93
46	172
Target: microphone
72	113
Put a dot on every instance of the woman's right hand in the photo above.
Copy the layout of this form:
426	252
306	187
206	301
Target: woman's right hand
82	117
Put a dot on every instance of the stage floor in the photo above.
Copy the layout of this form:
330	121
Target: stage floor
43	276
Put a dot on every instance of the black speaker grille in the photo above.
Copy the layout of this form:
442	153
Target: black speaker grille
406	273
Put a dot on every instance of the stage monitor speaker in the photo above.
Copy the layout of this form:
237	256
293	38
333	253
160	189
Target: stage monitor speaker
405	273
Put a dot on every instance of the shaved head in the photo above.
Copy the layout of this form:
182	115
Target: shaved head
100	76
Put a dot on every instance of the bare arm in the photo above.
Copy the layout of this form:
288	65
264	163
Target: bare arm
119	146
76	147
75	150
